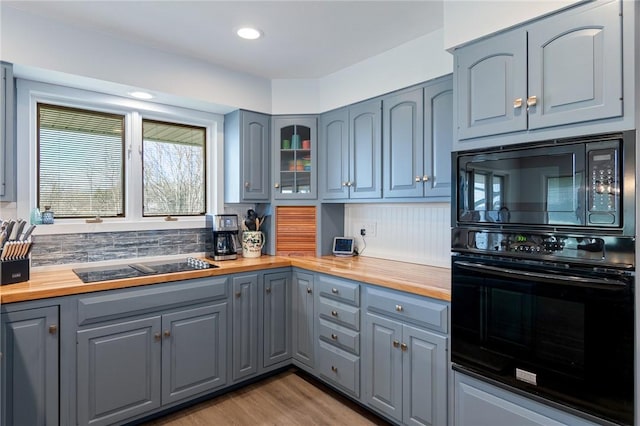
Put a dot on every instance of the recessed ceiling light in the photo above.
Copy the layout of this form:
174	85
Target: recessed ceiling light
249	33
141	95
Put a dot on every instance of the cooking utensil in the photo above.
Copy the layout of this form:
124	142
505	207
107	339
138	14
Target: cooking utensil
19	228
28	232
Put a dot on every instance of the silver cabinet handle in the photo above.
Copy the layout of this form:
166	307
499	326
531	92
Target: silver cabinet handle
309	290
276	185
396	344
532	101
157	337
418	178
399	308
334	368
268	290
334	336
53	329
334	313
334	290
238	294
517	103
425	178
404	347
246	184
167	333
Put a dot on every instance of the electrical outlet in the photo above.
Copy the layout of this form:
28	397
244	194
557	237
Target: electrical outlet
369	229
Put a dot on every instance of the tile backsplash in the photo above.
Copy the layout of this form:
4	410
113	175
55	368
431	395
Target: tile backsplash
415	233
93	247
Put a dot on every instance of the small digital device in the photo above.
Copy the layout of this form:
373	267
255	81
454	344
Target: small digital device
344	246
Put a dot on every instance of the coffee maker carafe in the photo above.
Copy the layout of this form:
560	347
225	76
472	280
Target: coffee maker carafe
225	236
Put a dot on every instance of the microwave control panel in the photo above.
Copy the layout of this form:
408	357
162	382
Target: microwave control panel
604	180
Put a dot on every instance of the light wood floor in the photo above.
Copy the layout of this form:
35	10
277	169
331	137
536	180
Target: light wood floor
290	398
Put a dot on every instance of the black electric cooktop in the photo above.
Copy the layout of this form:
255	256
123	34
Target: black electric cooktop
134	270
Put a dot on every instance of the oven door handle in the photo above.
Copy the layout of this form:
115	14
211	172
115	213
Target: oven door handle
607	284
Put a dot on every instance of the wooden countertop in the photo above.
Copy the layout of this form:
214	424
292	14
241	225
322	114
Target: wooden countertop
417	279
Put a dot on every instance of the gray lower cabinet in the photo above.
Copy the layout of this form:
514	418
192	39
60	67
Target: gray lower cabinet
338	333
560	70
302	318
478	403
30	367
405	362
244	335
131	367
276	318
417	141
246	157
351	152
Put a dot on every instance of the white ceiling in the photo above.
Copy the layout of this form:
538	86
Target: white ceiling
302	39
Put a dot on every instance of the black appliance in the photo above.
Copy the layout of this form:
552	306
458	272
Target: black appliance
543	272
225	236
133	270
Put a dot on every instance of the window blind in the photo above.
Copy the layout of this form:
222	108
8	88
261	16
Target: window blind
80	162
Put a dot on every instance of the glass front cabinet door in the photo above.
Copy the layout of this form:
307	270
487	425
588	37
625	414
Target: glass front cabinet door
295	147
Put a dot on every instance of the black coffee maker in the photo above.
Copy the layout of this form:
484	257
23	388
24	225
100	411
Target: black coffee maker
225	236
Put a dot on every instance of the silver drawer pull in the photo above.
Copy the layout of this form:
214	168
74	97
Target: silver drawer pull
334	313
309	290
334	368
396	344
399	308
334	336
334	290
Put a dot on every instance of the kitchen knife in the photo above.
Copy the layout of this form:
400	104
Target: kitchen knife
18	228
5	248
28	232
9	229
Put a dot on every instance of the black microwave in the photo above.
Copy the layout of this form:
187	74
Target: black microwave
582	183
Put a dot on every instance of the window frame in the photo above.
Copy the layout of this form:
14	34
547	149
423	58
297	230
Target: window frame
30	93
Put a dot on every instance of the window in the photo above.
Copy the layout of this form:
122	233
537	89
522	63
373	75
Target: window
174	167
80	162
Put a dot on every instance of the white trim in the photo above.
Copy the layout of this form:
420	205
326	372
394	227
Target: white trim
29	93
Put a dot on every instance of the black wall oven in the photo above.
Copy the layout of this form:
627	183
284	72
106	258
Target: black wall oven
543	272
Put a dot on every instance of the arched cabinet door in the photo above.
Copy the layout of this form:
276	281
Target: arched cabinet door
491	82
575	67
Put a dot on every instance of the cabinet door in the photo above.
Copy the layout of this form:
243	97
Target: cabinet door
302	318
424	377
438	138
30	367
575	66
7	134
295	147
194	351
402	144
365	150
334	155
277	318
382	358
491	76
118	371
255	156
245	326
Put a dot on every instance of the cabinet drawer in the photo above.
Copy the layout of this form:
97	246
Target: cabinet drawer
339	313
426	312
338	289
341	337
122	302
339	368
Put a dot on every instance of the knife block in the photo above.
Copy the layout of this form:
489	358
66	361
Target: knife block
14	271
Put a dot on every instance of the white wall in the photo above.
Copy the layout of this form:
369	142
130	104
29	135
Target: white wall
33	41
416	233
416	61
466	20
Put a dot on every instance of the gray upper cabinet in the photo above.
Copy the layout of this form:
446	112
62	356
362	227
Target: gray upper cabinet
561	70
351	161
30	367
7	134
246	157
418	136
295	145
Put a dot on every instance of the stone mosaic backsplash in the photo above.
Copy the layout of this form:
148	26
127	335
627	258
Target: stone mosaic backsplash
94	247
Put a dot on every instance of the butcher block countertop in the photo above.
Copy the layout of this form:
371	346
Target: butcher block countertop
412	278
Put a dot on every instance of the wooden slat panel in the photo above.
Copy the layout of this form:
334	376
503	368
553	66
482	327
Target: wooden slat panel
295	231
